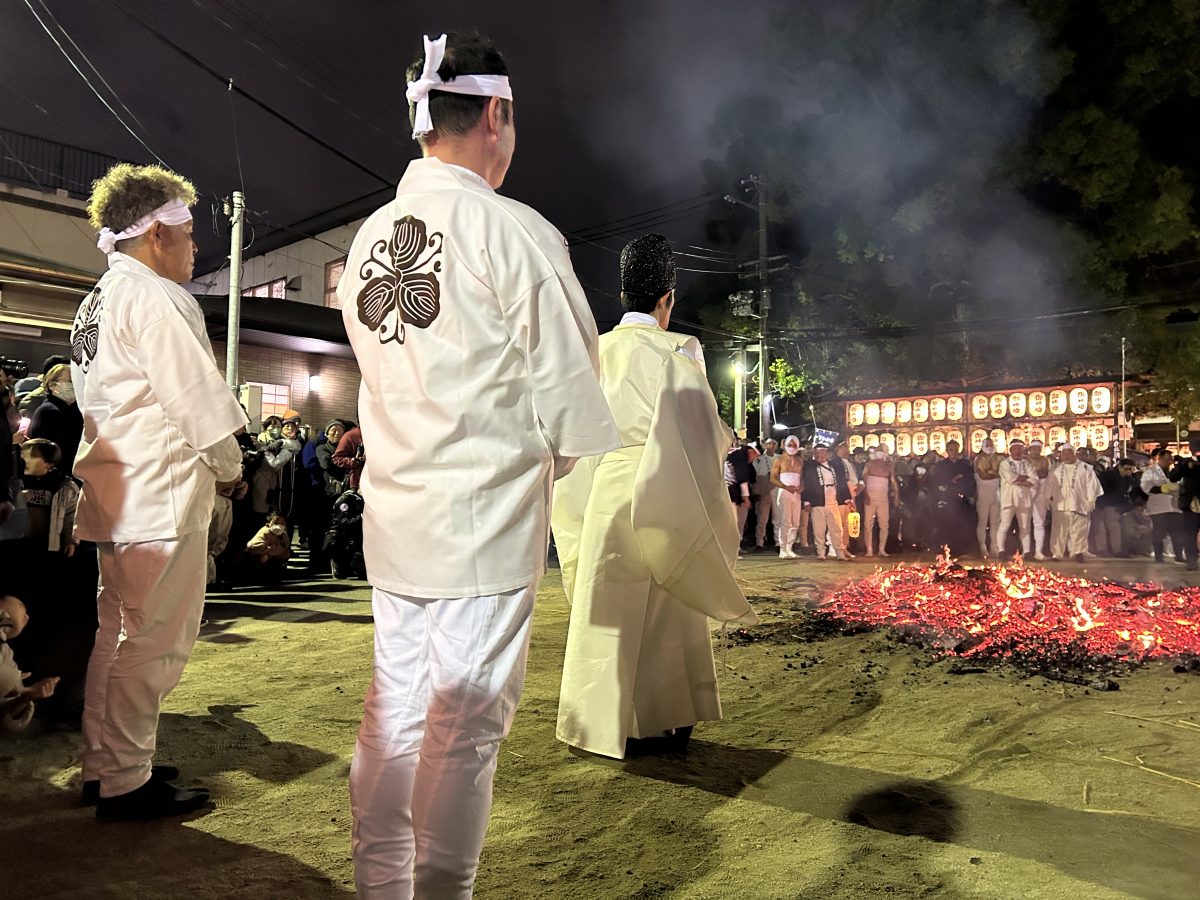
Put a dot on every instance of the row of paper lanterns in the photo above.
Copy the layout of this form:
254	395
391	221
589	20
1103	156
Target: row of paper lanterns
1097	435
1017	404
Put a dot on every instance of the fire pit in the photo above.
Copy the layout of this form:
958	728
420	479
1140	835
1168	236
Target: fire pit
1007	612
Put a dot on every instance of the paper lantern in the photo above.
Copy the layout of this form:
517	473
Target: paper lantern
1000	439
887	412
1058	435
955	435
920	410
954	409
855	441
903	443
920	443
1037	433
998	404
1036	404
1098	435
937	409
1079	401
888	440
854	413
1077	436
1016	405
978	436
1058	402
871	413
1101	400
979	406
937	442
904	412
872	440
1017	434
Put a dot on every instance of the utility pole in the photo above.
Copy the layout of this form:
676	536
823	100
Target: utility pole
754	184
237	213
739	389
764	310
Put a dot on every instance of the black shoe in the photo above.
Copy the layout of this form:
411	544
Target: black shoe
91	789
153	800
1192	567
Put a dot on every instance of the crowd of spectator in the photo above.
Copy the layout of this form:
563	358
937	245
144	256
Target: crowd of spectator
297	491
1065	504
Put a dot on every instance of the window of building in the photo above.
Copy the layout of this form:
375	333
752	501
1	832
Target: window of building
273	290
333	274
276	398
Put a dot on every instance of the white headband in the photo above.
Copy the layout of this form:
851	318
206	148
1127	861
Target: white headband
175	212
475	85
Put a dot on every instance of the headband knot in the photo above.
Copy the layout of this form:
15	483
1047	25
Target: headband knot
474	85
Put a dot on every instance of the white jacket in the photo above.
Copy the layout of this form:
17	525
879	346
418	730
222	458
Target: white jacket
157	414
479	367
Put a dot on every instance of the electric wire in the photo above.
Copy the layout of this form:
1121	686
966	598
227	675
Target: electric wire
91	87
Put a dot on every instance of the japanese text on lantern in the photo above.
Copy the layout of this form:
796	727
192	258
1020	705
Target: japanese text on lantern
979	406
1037	404
1016	405
920	410
854	413
954	409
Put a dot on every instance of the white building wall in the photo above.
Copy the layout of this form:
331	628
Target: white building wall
304	259
52	235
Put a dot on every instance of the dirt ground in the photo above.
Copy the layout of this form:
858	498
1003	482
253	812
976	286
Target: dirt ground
846	767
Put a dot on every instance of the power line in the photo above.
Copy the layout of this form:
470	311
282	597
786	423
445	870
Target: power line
41	187
602	225
92	87
265	107
285	67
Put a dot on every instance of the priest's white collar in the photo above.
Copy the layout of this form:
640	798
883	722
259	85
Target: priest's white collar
473	176
637	318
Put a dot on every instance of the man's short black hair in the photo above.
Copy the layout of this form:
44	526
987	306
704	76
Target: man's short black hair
639	303
466	54
52	361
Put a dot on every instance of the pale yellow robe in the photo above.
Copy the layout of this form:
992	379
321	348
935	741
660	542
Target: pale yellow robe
647	541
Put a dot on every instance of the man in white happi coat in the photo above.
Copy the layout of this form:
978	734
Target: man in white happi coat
987	496
1074	488
158	421
479	387
646	535
1017	483
1041	496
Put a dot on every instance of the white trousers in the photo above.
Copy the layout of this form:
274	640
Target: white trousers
1041	511
1024	517
1069	533
987	510
149	604
877	508
447	678
826	522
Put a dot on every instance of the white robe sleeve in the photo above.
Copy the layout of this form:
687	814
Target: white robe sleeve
224	458
185	382
554	328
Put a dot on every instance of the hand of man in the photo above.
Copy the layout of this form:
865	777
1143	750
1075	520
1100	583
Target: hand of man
745	504
274	446
69	549
40	690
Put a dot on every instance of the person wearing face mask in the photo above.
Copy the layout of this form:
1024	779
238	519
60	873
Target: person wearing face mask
787	476
1018	481
882	487
765	503
826	489
987	496
58	418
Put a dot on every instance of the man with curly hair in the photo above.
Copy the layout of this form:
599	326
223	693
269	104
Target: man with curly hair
479	363
157	437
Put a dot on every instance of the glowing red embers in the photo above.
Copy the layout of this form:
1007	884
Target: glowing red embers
1002	610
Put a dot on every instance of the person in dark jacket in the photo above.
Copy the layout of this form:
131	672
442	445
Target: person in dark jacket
351	456
1186	473
327	485
1115	502
58	419
953	483
826	487
739	476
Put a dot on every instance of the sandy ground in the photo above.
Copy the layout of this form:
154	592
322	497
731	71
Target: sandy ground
846	767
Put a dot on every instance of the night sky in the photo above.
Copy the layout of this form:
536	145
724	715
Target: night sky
612	100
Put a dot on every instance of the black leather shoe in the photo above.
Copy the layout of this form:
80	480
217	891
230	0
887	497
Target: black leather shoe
91	789
153	800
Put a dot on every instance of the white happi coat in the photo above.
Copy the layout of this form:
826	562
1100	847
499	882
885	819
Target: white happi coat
479	379
1013	494
647	541
1074	488
158	417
